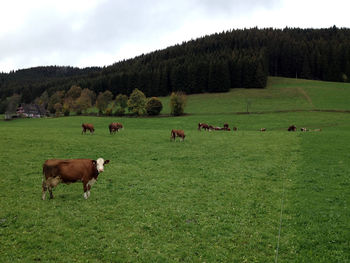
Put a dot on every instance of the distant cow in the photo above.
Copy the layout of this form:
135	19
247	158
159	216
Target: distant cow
70	171
177	133
303	129
87	126
292	128
263	129
234	129
203	126
115	126
226	126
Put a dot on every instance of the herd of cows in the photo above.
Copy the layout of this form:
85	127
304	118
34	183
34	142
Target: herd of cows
207	127
67	171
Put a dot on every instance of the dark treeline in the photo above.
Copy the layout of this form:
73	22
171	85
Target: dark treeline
215	63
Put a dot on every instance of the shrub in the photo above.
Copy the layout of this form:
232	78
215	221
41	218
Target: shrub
137	102
58	109
119	112
109	111
66	111
154	106
177	103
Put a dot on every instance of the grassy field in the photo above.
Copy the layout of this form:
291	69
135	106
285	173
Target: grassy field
281	94
242	196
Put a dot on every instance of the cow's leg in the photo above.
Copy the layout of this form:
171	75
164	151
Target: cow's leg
48	184
52	183
88	186
86	190
44	189
50	191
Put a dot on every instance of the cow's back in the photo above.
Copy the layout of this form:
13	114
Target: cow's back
68	170
51	167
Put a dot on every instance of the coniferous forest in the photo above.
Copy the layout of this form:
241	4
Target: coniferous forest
215	63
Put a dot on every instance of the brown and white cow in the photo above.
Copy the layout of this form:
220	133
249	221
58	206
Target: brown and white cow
203	126
115	126
292	128
87	126
303	129
263	129
177	133
70	171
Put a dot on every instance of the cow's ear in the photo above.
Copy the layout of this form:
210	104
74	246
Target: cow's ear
94	162
107	161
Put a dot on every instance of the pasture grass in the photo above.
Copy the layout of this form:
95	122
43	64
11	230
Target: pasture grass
216	197
281	94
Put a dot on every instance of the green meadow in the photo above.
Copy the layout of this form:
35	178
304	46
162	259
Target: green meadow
244	196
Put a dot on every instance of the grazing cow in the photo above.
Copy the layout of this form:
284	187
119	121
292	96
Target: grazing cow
115	126
87	126
292	128
69	171
177	133
203	126
263	129
303	129
120	126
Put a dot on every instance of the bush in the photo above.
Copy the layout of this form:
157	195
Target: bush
154	106
177	103
137	102
119	112
58	108
66	111
109	111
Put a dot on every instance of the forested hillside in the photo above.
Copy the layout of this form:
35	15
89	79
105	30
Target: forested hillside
215	63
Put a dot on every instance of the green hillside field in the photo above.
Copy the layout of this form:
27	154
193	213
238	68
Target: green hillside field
243	196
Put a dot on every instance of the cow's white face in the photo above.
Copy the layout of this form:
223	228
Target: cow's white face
100	162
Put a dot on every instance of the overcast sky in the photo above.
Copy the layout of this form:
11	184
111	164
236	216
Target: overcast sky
85	33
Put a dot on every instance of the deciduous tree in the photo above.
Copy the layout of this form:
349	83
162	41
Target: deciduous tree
103	99
177	103
137	102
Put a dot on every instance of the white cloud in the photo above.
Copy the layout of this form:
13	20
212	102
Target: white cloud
101	32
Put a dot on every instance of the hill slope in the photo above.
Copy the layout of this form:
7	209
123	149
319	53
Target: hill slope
280	94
